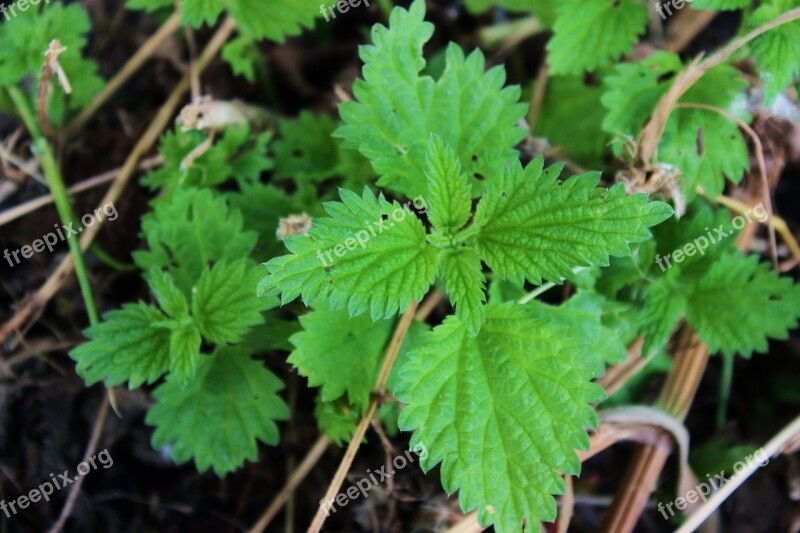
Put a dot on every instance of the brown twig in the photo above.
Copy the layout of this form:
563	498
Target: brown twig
780	224
538	94
293	482
691	23
76	488
771	449
567	507
35	349
361	429
468	524
388	453
676	397
651	134
129	69
32	205
617	375
428	305
26	167
191	45
529	27
50	67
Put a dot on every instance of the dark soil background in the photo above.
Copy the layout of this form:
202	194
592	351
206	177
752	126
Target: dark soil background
47	414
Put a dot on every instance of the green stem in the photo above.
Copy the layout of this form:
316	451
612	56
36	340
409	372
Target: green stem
59	192
536	292
386	7
726	381
544	288
106	259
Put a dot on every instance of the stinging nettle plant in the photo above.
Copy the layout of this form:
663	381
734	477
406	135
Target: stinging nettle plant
500	393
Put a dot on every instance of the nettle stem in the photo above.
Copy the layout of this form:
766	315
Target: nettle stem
60	196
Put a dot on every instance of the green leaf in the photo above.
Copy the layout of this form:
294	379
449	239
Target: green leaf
237	154
582	315
704	145
189	231
150	5
592	33
396	108
184	352
307	151
27	36
371	255
664	306
343	355
632	90
717	300
244	152
242	54
274	20
503	412
501	290
701	225
224	303
535	228
777	52
463	278
521	225
694	271
740	303
571	117
305	148
262	206
338	424
340	354
220	415
275	336
449	193
199	12
169	296
125	347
